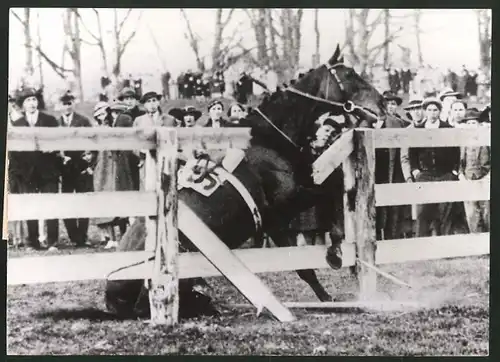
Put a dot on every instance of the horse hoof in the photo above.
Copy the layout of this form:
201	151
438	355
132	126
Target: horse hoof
334	257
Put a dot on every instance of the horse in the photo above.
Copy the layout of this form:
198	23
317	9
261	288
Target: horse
276	171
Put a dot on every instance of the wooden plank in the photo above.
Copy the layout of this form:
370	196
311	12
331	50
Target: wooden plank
431	192
166	267
233	269
80	267
80	138
361	210
377	306
78	205
66	268
332	157
213	138
445	137
192	265
430	248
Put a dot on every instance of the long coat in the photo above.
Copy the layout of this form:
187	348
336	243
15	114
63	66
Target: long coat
393	220
112	172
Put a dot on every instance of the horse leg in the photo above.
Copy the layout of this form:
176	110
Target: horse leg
281	238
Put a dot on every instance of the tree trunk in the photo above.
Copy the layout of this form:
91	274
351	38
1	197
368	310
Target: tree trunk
316	30
416	17
116	34
28	43
260	36
272	40
216	50
39	40
484	34
387	29
76	53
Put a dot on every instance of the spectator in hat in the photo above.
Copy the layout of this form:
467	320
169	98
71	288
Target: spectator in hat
15	111
129	97
77	169
215	112
236	112
475	164
430	164
35	171
112	171
154	117
447	97
186	116
391	221
393	101
414	111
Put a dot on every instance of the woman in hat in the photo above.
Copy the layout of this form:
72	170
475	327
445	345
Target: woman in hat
414	111
475	164
186	116
129	97
236	112
215	111
112	171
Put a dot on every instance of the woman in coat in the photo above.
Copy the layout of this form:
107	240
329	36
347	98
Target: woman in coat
186	116
215	112
236	112
112	171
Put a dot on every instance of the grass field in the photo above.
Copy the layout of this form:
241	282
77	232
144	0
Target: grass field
70	318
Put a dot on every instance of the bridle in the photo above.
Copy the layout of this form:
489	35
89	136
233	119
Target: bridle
347	107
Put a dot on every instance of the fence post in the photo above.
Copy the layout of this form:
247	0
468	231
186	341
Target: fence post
359	208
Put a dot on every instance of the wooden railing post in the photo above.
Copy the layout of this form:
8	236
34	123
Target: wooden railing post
359	208
164	291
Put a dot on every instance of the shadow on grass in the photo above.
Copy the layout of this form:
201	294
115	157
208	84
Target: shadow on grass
92	314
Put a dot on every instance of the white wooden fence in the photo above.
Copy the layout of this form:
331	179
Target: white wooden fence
355	151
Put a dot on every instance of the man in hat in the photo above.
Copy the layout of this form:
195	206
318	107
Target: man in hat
429	165
129	97
77	169
390	220
447	97
154	116
414	111
475	164
35	171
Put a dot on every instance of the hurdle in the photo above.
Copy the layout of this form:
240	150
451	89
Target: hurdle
162	266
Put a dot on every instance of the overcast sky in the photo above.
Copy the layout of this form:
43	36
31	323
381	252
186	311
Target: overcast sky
450	39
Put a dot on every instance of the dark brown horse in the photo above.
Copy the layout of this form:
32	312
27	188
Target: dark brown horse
276	171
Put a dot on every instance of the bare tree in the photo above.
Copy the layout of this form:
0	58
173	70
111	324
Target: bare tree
218	53
416	24
315	62
484	36
98	39
194	42
121	42
359	30
387	31
25	21
73	46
